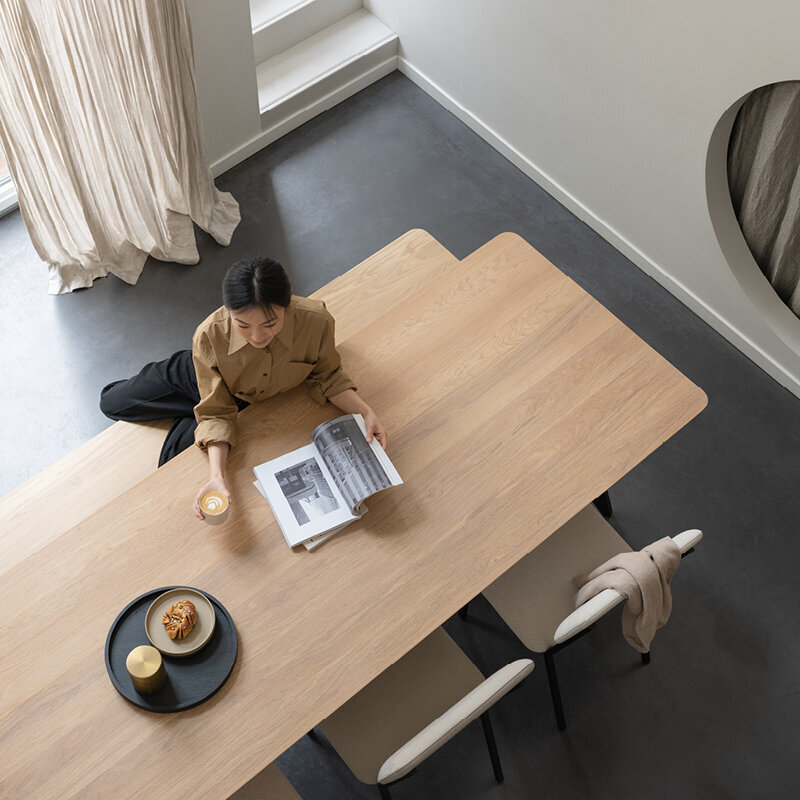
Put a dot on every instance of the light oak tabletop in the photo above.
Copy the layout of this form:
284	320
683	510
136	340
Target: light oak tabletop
511	400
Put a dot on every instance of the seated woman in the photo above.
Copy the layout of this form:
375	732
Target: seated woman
262	341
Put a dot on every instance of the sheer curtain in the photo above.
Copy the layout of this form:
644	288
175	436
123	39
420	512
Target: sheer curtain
99	124
764	178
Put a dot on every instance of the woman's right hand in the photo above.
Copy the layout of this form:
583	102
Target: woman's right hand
213	485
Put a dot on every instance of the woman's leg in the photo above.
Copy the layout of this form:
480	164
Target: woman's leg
161	390
179	438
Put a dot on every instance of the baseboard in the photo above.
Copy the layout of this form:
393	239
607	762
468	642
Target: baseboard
585	214
296	119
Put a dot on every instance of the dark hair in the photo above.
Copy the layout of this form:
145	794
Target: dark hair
256	282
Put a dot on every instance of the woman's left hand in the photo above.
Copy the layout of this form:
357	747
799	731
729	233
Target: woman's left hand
375	428
349	402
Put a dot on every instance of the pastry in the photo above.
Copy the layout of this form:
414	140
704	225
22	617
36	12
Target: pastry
180	619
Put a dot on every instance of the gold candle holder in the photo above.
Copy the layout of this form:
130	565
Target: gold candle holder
146	669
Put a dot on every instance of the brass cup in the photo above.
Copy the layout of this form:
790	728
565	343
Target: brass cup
146	669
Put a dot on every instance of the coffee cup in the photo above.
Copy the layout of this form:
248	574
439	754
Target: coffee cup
214	506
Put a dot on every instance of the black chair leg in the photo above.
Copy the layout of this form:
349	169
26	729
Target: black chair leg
646	658
555	694
603	505
384	792
492	745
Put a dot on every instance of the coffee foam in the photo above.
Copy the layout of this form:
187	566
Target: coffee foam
213	502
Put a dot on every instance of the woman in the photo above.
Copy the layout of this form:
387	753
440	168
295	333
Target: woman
262	341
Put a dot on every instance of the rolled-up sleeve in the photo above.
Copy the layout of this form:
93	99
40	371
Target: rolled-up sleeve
216	413
328	378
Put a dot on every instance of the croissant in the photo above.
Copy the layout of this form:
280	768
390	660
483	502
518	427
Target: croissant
180	619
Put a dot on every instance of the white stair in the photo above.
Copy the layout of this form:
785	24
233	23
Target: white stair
281	24
264	11
309	57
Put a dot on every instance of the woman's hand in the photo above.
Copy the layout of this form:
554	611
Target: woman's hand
349	402
214	485
375	428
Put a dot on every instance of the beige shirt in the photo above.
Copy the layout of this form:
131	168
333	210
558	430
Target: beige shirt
227	365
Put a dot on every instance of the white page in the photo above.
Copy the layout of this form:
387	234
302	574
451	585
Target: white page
314	541
315	507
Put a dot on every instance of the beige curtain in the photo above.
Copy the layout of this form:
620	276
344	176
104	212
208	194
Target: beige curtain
764	178
99	124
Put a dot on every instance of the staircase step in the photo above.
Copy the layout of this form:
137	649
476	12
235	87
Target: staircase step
281	24
350	47
263	12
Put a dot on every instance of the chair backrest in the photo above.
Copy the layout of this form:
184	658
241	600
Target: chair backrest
458	716
687	540
595	607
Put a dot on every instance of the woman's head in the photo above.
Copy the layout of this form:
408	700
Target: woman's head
256	292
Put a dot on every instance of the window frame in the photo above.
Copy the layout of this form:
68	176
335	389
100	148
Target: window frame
8	195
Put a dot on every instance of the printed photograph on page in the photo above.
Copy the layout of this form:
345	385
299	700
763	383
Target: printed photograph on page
350	459
307	491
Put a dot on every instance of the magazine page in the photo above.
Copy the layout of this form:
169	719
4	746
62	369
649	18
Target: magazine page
360	468
314	541
303	495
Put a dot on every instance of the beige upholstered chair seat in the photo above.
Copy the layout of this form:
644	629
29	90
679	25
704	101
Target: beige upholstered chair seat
538	592
269	784
412	708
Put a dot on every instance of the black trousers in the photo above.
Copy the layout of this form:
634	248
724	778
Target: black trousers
161	390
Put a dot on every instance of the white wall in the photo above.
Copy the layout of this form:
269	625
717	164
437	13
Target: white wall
225	70
611	106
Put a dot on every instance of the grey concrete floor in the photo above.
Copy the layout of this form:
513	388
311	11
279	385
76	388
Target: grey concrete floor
716	713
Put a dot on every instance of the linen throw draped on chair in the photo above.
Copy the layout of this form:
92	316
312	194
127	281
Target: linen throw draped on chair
99	124
764	179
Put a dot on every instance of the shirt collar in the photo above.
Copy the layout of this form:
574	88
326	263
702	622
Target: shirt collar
285	338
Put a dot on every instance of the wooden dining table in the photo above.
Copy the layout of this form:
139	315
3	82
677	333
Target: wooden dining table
511	399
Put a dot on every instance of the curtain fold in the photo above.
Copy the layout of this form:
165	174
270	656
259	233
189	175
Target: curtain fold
764	179
100	125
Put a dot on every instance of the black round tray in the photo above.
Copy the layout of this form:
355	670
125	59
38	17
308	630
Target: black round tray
190	679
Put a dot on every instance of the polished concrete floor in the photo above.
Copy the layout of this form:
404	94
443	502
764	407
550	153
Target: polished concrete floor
716	714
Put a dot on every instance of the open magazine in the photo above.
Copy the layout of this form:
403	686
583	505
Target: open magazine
317	490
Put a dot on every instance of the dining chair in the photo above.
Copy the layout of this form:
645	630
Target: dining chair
603	505
536	597
411	709
269	784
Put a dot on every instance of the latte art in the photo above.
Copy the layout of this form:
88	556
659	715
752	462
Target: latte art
213	503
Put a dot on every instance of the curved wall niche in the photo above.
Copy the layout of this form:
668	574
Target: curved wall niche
755	285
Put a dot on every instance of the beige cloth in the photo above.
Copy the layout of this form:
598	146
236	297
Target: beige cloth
304	350
643	579
99	123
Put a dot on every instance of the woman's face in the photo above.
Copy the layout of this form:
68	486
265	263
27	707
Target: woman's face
259	325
